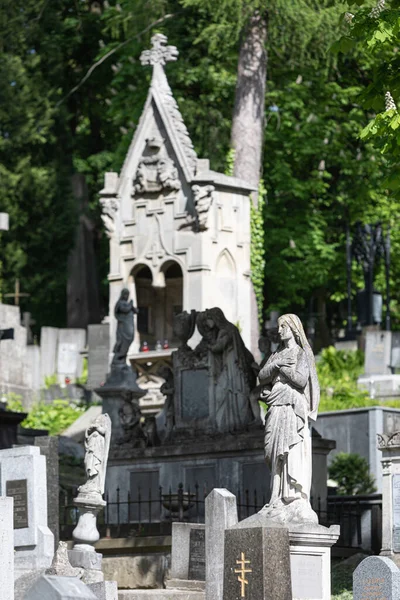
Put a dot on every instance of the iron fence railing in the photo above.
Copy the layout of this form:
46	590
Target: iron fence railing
152	512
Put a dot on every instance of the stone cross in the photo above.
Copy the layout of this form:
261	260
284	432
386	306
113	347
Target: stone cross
160	53
17	293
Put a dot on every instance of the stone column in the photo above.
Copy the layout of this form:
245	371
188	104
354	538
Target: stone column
221	513
6	549
49	448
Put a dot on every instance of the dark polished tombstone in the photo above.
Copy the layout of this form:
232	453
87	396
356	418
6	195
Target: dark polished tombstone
197	554
9	422
257	564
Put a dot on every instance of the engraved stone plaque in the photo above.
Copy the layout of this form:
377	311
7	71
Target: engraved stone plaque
18	490
197	554
194	394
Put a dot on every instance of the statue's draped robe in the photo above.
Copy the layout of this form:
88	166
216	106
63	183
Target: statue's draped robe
233	374
125	329
287	434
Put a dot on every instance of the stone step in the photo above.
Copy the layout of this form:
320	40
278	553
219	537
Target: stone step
189	585
160	595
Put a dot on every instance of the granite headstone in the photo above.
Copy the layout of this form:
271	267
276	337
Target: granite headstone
376	578
257	564
197	554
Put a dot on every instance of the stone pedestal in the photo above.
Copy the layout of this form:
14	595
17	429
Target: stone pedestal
310	556
23	476
120	395
310	560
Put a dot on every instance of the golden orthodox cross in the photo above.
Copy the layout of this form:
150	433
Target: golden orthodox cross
242	573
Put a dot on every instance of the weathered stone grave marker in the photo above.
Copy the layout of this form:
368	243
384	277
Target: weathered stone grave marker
376	578
187	557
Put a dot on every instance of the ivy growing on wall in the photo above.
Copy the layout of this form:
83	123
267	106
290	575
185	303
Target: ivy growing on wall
257	248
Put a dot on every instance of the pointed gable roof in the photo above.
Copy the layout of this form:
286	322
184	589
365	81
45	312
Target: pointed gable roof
161	95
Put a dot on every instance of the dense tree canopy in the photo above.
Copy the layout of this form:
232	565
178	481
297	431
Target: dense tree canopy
72	90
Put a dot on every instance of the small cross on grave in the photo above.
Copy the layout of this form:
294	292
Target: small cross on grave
160	53
17	293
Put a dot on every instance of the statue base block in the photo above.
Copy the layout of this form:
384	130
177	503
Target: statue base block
310	560
310	555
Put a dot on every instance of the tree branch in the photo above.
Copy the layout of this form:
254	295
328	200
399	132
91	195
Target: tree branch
110	53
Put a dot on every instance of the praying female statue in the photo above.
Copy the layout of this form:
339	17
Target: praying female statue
291	392
123	312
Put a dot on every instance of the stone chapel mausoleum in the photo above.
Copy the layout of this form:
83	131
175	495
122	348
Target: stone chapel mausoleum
179	232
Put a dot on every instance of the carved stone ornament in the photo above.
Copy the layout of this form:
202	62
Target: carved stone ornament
160	53
386	467
156	172
203	197
109	211
388	441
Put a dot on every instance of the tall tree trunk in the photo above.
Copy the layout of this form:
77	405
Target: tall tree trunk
248	123
248	115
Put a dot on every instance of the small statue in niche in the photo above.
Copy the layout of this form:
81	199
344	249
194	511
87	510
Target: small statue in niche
291	391
97	445
168	389
233	374
123	312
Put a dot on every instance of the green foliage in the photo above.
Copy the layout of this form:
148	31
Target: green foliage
50	380
337	373
378	34
83	379
257	249
342	581
351	473
55	417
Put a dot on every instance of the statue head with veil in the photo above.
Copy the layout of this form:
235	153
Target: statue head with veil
291	391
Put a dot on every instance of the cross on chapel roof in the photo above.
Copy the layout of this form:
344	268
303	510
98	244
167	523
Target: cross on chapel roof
160	53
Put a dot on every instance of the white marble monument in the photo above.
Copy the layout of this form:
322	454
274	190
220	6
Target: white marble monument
23	477
289	386
179	232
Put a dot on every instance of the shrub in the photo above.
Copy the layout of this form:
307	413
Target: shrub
54	417
351	473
